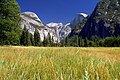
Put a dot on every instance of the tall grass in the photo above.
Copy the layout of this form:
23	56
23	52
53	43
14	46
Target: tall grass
32	63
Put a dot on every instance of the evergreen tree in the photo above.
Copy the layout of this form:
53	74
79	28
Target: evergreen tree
37	39
45	42
28	41
32	40
52	42
49	40
101	43
10	19
77	41
66	41
63	43
80	42
23	37
86	42
117	41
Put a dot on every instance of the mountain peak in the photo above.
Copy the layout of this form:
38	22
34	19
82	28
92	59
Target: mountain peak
78	19
31	15
52	24
83	14
104	21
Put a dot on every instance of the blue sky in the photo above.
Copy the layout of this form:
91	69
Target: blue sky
57	10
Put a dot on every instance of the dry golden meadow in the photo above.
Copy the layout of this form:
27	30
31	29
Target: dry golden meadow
40	63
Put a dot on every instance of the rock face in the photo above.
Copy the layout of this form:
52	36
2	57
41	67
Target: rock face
78	23
31	21
78	19
104	21
62	31
58	31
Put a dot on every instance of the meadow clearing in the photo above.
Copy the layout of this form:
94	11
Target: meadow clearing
40	63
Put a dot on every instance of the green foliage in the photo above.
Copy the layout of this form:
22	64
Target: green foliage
46	41
73	41
66	41
86	42
25	38
94	41
10	19
32	40
37	38
49	40
81	42
28	41
112	42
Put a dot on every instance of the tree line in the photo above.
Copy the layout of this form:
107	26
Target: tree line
12	34
94	41
28	39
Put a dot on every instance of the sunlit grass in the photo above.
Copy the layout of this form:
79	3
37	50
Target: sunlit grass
40	63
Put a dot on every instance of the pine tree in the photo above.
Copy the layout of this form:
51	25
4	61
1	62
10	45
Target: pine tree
10	19
37	39
77	40
28	41
63	43
49	40
45	42
23	37
52	42
82	42
66	41
32	40
86	42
